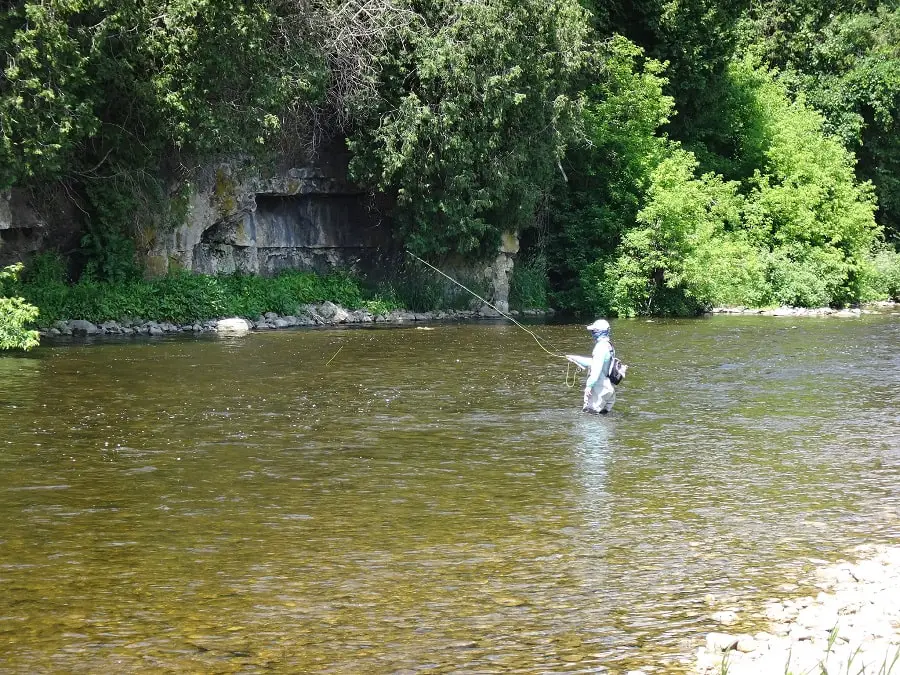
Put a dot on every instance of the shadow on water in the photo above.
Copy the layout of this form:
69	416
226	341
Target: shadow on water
430	500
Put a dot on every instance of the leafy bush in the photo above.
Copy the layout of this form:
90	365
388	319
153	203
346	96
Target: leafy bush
881	275
379	304
528	286
184	297
45	268
15	314
807	276
673	262
804	204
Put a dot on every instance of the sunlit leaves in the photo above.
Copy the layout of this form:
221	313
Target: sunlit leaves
15	314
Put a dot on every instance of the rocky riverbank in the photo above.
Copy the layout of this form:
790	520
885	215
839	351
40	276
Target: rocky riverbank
324	314
330	314
869	308
851	627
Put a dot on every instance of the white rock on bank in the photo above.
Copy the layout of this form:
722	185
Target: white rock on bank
233	325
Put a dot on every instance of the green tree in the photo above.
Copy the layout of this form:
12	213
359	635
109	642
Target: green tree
804	203
687	251
695	38
844	57
477	110
47	97
608	171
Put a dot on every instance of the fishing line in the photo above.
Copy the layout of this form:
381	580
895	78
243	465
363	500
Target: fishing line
501	313
572	375
335	354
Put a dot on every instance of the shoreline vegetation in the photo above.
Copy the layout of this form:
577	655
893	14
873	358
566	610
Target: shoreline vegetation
186	302
40	302
330	314
851	627
311	315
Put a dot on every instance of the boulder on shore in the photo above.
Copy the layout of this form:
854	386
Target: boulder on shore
233	325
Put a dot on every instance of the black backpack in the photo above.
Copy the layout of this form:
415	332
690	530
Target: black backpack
617	371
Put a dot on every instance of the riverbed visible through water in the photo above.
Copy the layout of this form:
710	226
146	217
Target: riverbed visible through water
430	500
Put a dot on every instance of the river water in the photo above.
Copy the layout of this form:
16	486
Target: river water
430	500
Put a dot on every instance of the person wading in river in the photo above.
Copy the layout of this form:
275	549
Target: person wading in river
599	393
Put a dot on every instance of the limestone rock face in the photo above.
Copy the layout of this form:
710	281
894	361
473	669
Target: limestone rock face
231	216
491	278
304	218
500	271
21	229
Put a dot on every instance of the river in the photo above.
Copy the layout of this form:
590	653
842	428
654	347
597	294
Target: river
430	500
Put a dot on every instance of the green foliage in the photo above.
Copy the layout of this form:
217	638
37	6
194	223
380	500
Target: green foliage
108	246
46	95
474	119
528	286
609	172
807	208
184	297
44	269
119	83
695	38
674	261
380	304
15	314
251	296
419	289
796	228
219	72
845	58
881	275
669	171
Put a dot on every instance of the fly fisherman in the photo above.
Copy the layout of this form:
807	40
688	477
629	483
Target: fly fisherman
599	394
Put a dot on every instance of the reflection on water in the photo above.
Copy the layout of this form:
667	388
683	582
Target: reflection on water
431	500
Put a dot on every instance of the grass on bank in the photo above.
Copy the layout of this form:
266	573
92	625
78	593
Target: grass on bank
185	298
39	294
823	667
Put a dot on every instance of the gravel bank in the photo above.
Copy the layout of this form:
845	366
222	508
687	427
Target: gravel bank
851	627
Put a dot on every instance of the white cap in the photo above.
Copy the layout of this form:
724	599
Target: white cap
601	325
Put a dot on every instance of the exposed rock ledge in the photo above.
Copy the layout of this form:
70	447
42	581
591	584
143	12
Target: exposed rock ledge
324	314
852	626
